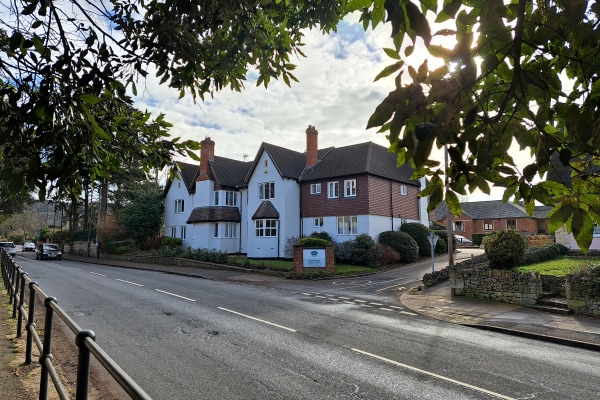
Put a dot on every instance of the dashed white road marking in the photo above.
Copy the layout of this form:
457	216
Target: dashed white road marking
95	273
257	319
131	283
175	295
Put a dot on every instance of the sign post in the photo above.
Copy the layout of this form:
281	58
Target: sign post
432	241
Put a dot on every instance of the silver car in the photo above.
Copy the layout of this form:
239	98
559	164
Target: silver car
10	247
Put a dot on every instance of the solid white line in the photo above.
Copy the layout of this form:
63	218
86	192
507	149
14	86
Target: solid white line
399	308
376	304
131	283
173	294
257	319
385	309
444	378
95	273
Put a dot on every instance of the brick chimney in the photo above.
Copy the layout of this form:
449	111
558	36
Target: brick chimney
207	153
312	146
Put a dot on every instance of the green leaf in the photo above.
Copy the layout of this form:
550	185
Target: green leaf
559	216
390	69
382	114
90	98
453	203
392	53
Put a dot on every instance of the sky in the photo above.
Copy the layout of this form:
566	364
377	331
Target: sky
336	93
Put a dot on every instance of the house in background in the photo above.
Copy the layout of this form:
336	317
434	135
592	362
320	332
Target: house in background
255	207
488	216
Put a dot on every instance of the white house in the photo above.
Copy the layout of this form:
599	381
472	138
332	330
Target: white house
255	207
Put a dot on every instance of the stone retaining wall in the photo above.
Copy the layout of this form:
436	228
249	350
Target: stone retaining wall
583	295
497	285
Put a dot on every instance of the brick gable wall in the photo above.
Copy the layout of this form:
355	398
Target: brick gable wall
374	196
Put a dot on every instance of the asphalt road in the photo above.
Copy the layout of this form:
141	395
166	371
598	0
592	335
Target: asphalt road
188	338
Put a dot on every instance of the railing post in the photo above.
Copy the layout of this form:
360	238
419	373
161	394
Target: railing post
30	323
47	349
20	306
17	281
83	364
10	282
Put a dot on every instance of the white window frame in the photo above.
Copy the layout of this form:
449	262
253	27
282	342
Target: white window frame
231	230
173	231
183	232
179	206
458	226
596	231
315	188
216	230
333	190
347	225
231	198
403	190
318	222
488	227
216	198
265	228
350	188
266	190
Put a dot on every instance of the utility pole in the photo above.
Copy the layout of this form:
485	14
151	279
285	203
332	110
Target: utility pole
448	213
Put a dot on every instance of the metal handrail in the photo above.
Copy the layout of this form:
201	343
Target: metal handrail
16	280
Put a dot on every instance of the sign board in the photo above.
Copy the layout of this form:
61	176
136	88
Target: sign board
314	258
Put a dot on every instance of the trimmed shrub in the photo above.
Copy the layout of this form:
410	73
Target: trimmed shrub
441	246
170	247
443	234
313	242
365	251
419	233
505	249
208	255
477	238
402	243
539	254
322	235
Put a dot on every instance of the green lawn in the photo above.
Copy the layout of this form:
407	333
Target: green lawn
559	266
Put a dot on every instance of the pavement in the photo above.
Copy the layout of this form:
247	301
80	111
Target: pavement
437	302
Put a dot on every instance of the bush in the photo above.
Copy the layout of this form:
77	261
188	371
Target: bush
443	234
505	249
539	254
322	235
212	255
441	247
288	249
402	243
365	251
419	233
389	255
170	247
477	238
118	247
313	242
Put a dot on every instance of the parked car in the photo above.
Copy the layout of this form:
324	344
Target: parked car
10	247
46	251
462	240
28	246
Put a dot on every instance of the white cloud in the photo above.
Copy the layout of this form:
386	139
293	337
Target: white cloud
336	94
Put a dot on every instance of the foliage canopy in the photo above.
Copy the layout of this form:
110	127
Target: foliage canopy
505	72
521	72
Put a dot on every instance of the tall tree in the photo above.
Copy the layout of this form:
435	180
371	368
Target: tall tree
60	60
511	71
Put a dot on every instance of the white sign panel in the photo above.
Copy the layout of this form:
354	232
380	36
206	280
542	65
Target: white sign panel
314	258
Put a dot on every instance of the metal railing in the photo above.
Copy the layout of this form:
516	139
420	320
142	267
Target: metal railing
17	282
